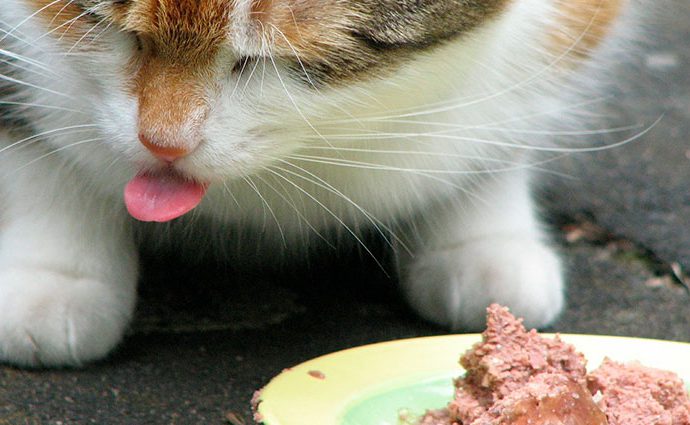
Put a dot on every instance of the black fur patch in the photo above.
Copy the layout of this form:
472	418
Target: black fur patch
386	33
422	23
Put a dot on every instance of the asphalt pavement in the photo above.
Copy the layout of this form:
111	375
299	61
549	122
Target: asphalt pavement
204	341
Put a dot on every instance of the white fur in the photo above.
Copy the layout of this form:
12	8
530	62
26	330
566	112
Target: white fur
464	228
68	267
475	253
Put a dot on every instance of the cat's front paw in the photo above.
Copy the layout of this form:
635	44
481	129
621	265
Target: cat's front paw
55	318
453	286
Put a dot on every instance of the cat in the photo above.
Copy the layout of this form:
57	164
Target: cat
288	122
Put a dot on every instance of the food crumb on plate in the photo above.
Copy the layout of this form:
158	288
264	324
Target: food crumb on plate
317	374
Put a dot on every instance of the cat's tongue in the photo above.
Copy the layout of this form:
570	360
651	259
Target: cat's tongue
162	198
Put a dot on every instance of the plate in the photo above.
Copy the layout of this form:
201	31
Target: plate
374	384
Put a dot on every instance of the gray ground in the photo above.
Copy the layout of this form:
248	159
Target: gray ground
197	352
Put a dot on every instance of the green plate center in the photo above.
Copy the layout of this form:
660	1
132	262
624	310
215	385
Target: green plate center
385	406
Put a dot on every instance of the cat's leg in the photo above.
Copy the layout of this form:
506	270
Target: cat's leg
68	268
485	248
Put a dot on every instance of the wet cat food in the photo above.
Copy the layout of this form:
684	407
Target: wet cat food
515	376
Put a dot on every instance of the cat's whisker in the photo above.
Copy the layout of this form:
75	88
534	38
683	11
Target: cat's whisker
511	166
413	172
64	130
291	203
368	166
100	33
287	92
498	143
418	171
264	42
525	117
38	105
397	113
295	105
27	60
377	136
68	23
379	225
297	57
33	86
232	195
18	66
239	78
540	72
477	159
28	18
358	131
71	24
263	76
267	206
294	21
59	12
249	78
57	150
304	70
550	112
330	212
85	35
415	153
77	54
18	36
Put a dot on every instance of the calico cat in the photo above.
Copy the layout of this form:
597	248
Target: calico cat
285	122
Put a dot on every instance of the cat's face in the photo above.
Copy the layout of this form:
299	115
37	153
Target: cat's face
218	84
212	90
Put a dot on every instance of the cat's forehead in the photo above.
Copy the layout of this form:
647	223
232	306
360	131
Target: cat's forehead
178	28
335	39
385	21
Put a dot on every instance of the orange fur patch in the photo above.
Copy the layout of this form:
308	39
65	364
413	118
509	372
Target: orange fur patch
181	39
308	29
170	99
581	25
188	31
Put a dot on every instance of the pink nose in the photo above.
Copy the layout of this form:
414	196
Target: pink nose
166	153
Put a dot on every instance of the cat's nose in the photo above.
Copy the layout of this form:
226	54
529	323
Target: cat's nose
167	153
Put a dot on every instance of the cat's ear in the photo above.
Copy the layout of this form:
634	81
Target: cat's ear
398	23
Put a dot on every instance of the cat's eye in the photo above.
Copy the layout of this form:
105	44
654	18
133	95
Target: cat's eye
138	42
241	64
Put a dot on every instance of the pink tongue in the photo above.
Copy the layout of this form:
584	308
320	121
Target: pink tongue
161	198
